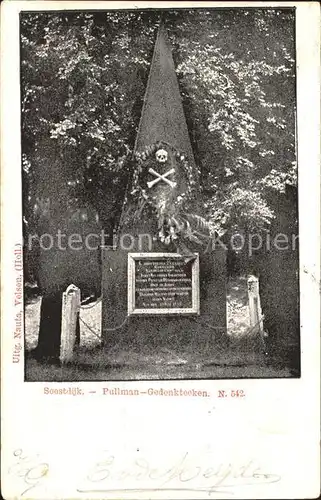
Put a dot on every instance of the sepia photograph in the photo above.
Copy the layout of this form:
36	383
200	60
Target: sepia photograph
159	194
160	223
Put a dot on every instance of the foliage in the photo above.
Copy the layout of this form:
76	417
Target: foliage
239	79
83	77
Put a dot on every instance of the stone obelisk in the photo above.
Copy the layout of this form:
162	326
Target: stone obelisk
162	214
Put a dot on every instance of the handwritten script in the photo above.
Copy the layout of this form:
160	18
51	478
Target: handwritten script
185	474
137	474
30	469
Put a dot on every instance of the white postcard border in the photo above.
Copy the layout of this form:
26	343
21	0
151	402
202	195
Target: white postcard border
276	424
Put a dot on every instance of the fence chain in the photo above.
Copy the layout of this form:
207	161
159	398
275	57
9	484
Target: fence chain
107	329
91	305
90	328
248	331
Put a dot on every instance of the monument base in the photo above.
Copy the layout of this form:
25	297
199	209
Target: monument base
198	333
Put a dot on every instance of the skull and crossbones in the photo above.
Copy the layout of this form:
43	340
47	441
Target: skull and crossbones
161	157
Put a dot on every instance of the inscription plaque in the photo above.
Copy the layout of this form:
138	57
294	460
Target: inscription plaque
163	284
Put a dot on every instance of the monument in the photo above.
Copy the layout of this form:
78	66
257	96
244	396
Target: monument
163	283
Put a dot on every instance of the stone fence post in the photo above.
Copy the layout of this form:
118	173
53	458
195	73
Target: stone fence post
256	318
69	317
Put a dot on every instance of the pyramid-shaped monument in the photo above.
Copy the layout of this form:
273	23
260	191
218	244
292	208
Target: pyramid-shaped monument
162	284
163	117
165	180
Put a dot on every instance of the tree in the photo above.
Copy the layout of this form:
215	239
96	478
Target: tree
83	81
239	82
83	78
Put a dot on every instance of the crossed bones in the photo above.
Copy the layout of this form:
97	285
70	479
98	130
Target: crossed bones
161	177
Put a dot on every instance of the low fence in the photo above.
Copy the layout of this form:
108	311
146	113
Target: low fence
70	333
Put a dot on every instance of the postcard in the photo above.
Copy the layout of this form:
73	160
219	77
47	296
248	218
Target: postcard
160	250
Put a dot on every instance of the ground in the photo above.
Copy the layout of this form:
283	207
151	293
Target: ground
245	357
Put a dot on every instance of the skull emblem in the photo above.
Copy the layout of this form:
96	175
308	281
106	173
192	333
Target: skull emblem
161	156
